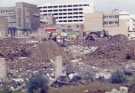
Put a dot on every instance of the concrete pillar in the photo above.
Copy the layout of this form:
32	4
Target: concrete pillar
3	69
58	66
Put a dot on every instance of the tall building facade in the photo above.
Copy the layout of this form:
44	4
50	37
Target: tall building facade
27	17
22	17
67	11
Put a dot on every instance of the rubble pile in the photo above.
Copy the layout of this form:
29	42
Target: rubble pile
121	90
77	51
28	56
13	48
116	50
97	58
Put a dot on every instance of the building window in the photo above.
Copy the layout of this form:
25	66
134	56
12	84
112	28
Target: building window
69	5
76	9
60	13
64	6
80	20
55	10
105	23
49	6
44	7
70	20
49	10
80	16
64	9
75	20
69	9
65	17
60	9
111	22
39	7
76	12
60	17
60	21
75	16
45	14
60	6
70	13
64	13
44	10
55	6
116	22
105	16
64	20
70	17
80	12
85	5
55	14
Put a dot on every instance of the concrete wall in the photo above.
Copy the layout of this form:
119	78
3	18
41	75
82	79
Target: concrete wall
93	22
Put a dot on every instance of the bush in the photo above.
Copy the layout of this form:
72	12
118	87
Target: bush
118	77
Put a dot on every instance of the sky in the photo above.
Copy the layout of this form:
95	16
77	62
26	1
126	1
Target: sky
101	5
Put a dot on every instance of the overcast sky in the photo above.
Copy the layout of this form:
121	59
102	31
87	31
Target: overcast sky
102	5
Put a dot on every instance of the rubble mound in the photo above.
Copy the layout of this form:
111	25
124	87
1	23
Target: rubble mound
121	39
32	56
13	48
115	50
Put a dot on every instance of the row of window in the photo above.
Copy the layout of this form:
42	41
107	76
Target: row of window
110	23
111	16
70	13
60	6
55	10
69	17
5	11
70	20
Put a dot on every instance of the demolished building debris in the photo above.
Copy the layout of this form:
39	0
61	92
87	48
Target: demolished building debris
82	64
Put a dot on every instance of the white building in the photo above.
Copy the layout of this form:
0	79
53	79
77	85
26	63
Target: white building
131	23
67	11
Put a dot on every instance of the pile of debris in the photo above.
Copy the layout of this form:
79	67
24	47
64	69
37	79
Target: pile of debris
121	90
25	56
116	50
79	51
